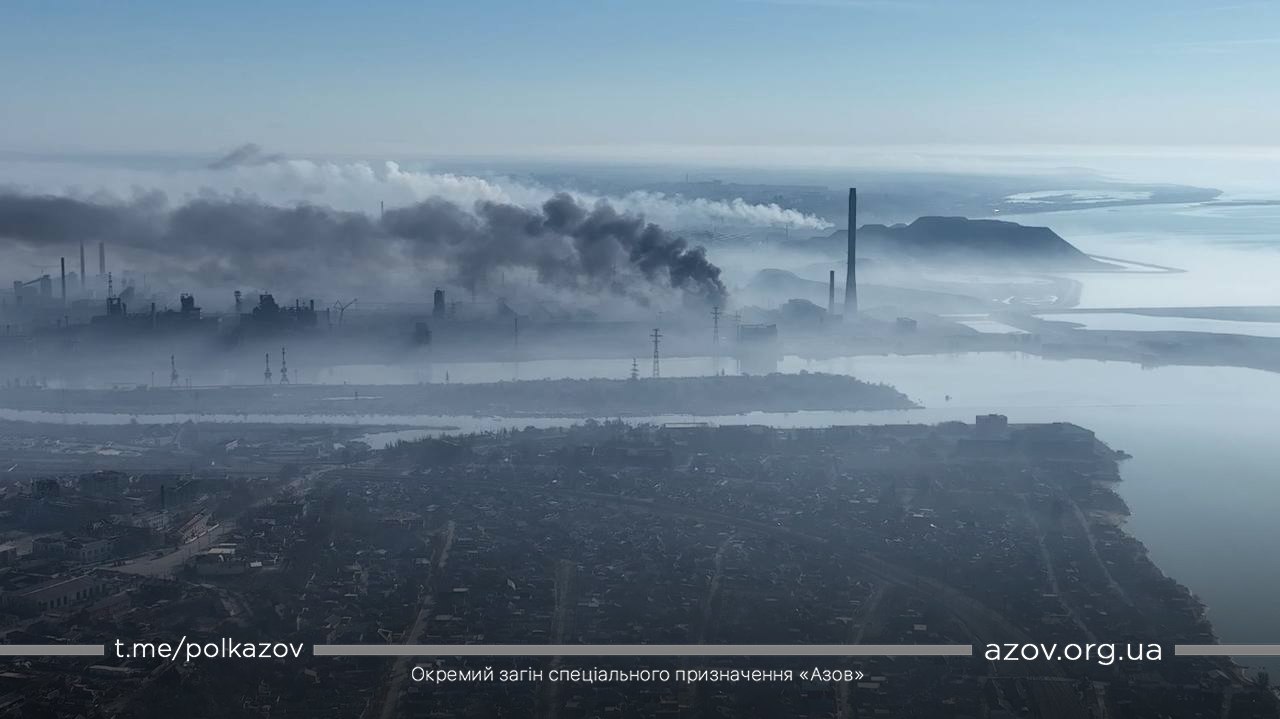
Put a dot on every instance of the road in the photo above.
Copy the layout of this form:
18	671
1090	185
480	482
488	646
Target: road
400	669
168	564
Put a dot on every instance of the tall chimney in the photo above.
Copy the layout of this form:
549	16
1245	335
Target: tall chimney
831	293
82	265
850	280
102	258
63	262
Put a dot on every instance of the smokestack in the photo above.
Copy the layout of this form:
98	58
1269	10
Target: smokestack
850	280
82	265
831	293
63	262
102	258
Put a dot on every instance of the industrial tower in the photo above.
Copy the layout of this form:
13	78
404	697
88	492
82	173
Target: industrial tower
656	336
266	374
715	340
850	277
284	367
173	372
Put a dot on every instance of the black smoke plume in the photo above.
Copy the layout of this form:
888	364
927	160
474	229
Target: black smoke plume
238	241
248	154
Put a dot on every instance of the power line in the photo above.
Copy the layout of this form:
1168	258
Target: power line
715	340
656	368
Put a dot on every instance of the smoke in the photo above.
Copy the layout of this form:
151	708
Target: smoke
361	186
564	244
567	244
681	211
371	183
248	154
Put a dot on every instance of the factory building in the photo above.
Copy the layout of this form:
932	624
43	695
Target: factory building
757	348
47	594
269	316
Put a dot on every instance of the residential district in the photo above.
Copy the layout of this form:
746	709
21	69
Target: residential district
600	533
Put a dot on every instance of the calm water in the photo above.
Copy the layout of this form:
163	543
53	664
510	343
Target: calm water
992	327
1202	485
1147	323
1231	253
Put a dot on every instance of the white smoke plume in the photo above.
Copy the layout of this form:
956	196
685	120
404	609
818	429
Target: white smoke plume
360	186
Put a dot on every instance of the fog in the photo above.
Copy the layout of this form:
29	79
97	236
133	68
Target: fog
559	305
1236	169
503	246
361	185
207	243
1230	253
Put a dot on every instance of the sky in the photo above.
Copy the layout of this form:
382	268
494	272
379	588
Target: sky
494	77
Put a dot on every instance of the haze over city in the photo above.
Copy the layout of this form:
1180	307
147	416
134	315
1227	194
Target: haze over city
716	358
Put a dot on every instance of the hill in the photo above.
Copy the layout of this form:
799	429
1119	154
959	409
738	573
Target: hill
949	241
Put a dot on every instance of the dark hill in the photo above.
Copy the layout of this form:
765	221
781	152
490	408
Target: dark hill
959	240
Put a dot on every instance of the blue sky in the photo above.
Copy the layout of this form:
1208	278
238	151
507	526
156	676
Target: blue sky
496	76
